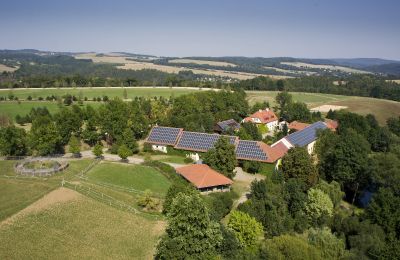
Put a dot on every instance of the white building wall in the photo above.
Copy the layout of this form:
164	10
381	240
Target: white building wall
161	148
194	156
310	147
272	125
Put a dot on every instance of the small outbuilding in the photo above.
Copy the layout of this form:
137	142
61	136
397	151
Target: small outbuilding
226	126
205	179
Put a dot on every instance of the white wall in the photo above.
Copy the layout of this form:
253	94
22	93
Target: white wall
161	148
310	147
272	125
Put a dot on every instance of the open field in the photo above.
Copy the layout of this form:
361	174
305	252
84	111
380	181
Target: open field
300	72
78	228
6	68
309	98
98	92
381	108
203	62
325	67
130	176
16	194
124	63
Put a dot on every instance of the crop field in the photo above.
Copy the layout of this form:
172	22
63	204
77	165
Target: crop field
124	63
65	224
130	176
308	98
300	72
326	67
6	68
203	62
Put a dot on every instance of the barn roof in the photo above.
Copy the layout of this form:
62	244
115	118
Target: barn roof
202	176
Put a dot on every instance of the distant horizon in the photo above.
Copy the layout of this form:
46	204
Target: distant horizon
315	29
228	56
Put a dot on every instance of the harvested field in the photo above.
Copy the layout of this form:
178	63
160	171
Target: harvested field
380	108
326	108
300	72
203	62
7	68
124	63
325	67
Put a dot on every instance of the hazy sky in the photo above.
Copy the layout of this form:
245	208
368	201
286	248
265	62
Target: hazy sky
297	28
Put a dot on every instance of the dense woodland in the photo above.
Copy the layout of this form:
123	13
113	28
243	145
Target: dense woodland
340	203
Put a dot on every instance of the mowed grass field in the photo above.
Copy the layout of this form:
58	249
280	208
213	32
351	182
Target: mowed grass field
78	228
130	176
16	194
98	92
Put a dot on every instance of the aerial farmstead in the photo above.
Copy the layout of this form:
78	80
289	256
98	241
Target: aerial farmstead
194	142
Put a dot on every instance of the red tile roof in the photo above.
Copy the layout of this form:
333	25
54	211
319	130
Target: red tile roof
202	176
265	116
331	124
295	125
274	153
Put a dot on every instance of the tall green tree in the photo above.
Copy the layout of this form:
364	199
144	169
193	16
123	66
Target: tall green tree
44	137
222	157
319	207
283	100
246	228
297	163
190	233
68	123
13	141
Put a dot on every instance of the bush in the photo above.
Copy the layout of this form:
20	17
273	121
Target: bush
252	166
149	203
188	160
114	148
124	152
219	204
147	147
98	150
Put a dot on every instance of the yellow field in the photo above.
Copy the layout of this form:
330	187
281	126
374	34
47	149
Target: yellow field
394	80
327	67
6	68
203	62
137	65
290	71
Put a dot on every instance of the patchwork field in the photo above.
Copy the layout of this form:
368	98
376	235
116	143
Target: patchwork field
125	63
6	68
300	72
130	176
78	227
203	62
326	67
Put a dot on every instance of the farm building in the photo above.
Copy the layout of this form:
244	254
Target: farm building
194	142
205	179
303	138
266	117
226	126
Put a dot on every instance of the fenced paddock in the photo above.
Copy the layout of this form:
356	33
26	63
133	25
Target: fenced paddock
40	166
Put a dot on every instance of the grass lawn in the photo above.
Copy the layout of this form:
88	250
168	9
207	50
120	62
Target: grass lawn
170	159
81	228
97	92
18	194
13	108
130	176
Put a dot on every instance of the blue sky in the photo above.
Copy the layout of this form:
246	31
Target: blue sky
297	28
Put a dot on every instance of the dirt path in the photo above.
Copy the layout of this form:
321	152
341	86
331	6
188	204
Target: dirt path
245	178
60	195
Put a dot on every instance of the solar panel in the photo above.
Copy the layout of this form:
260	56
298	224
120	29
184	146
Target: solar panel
164	135
307	135
199	141
250	150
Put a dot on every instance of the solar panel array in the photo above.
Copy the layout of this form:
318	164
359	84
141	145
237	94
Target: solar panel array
199	141
164	135
250	150
307	135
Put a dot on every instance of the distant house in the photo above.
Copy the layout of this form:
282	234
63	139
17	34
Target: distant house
303	138
225	126
297	126
332	124
205	179
266	117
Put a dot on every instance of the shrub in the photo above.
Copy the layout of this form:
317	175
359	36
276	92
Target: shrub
124	152
149	203
246	228
188	160
98	150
